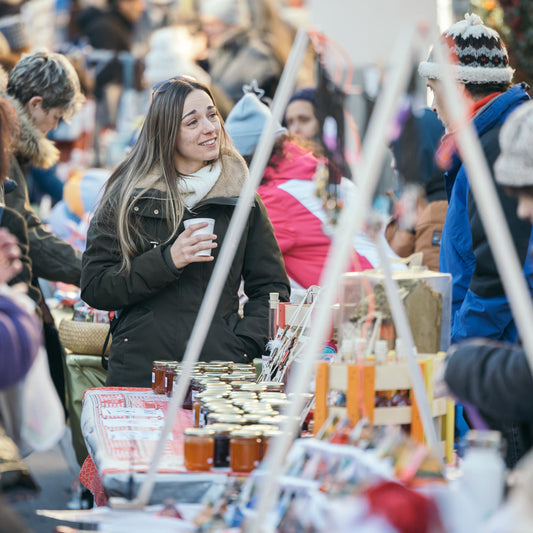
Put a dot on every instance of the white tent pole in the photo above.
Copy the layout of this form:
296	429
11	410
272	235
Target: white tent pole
403	329
351	221
223	264
490	210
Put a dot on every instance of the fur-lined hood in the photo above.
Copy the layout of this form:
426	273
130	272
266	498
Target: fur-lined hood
230	182
31	144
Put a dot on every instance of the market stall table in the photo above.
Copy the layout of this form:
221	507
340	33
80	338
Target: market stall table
121	427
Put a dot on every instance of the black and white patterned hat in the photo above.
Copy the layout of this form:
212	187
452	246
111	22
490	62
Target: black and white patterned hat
476	52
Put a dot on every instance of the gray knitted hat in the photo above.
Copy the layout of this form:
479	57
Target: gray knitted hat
478	54
248	119
514	166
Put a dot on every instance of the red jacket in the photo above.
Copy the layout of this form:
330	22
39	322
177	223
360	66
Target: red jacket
298	217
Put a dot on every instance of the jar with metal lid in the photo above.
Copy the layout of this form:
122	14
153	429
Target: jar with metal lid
253	387
273	386
246	405
259	409
221	437
158	376
278	405
245	366
217	389
252	418
196	387
272	396
192	390
198	447
198	406
223	418
245	450
265	440
170	377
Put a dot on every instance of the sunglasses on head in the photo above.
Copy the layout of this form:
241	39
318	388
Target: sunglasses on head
162	86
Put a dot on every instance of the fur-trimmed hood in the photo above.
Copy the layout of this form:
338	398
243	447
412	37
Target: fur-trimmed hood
31	144
231	180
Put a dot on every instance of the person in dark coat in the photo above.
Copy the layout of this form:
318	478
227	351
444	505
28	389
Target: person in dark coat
140	260
414	160
43	87
237	54
493	376
112	29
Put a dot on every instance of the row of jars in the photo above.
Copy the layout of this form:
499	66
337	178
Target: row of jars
244	420
234	416
165	373
226	445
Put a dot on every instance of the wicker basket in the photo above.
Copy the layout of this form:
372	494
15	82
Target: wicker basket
83	337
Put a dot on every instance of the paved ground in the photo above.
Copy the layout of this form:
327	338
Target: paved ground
58	489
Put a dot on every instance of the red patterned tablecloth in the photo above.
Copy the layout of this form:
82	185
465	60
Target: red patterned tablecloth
121	427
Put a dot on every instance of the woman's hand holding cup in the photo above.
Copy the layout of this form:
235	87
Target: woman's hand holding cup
194	245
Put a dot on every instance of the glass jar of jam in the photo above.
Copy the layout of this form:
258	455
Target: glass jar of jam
273	386
252	418
192	390
224	418
272	396
266	436
245	450
202	399
170	377
158	376
198	449
253	387
278	405
222	437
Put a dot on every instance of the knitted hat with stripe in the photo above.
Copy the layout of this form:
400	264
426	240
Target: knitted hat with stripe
476	52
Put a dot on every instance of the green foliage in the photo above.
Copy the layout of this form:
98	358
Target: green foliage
513	20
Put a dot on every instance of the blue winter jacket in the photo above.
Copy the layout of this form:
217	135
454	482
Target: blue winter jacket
479	305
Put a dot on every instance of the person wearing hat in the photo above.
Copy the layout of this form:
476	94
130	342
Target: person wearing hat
236	54
493	376
481	68
300	115
288	190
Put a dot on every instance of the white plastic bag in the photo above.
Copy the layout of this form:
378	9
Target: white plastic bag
32	413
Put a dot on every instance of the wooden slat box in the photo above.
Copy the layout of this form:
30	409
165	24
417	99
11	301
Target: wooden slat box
372	378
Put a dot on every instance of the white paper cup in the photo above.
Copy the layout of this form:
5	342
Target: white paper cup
202	231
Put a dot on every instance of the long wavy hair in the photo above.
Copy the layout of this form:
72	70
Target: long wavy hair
150	165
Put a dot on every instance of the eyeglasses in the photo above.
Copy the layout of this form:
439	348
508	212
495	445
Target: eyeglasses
162	86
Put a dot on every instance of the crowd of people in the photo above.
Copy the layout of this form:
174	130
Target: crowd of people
144	261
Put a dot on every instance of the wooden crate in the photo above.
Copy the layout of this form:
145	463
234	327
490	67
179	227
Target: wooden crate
365	382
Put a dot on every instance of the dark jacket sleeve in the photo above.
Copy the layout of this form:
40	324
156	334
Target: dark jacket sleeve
486	281
495	377
263	273
104	286
16	225
52	258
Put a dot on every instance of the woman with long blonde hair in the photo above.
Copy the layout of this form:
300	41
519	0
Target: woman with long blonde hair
140	259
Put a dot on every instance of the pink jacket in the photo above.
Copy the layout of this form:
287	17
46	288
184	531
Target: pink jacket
288	192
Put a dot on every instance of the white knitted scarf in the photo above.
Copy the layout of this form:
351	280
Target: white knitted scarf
195	186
